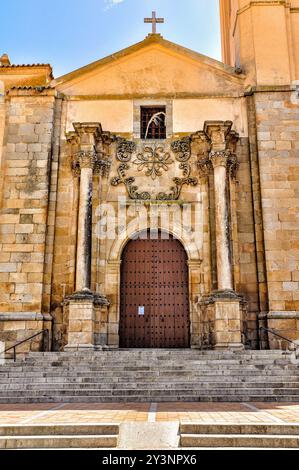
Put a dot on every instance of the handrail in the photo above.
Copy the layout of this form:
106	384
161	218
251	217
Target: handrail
25	341
279	336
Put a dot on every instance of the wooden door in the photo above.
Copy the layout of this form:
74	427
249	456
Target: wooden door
154	294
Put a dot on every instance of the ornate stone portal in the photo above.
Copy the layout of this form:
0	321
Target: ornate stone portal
220	309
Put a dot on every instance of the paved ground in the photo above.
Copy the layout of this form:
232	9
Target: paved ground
231	413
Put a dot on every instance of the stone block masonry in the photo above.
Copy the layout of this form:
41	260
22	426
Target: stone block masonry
277	137
23	212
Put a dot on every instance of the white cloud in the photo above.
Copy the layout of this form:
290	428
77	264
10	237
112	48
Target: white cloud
112	3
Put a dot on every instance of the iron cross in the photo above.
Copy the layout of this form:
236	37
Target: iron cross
154	20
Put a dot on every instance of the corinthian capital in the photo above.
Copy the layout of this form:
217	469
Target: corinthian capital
226	159
84	159
219	158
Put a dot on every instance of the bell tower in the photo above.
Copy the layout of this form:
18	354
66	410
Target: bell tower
261	37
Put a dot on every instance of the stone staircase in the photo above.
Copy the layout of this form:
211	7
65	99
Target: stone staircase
150	375
59	436
277	436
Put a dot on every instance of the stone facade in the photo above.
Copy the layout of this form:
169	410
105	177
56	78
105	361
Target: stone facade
77	183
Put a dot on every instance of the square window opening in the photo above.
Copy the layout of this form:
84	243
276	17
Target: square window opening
153	122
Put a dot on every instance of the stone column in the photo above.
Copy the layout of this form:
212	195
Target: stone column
81	307
219	160
224	305
86	161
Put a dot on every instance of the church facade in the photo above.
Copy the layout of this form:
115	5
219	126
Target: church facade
151	198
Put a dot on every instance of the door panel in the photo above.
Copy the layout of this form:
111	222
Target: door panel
154	275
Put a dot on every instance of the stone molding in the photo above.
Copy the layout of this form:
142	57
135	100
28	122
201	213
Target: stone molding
282	315
86	296
25	316
225	296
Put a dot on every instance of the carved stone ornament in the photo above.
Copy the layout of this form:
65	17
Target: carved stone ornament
218	158
124	150
175	191
225	158
182	148
204	166
83	159
154	160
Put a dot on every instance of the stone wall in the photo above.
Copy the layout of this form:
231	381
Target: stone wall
277	118
24	208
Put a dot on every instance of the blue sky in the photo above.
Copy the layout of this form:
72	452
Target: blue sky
72	33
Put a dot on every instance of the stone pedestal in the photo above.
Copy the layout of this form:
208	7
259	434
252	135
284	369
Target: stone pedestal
224	312
227	324
82	308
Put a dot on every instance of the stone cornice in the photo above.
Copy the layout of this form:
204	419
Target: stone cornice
39	91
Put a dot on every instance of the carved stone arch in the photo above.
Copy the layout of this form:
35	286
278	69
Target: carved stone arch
113	280
120	242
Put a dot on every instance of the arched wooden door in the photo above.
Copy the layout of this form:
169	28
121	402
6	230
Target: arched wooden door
154	304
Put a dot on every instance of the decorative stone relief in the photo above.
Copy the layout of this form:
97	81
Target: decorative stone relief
175	191
154	160
124	151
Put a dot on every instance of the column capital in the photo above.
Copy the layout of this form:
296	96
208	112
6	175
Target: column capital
217	133
88	148
219	158
84	159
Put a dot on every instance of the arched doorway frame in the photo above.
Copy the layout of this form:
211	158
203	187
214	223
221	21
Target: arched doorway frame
113	277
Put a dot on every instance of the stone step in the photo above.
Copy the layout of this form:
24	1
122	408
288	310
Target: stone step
192	365
237	440
59	429
150	375
137	362
121	381
153	367
144	399
58	442
147	386
158	373
153	392
269	429
161	352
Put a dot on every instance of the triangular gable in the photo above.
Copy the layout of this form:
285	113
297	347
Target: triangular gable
152	67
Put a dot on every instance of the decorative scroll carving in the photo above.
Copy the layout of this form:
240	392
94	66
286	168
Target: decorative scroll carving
182	148
129	183
175	191
124	150
154	159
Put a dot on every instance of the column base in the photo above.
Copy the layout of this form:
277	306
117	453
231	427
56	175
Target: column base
81	309
226	311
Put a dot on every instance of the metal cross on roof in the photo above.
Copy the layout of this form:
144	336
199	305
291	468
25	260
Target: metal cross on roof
154	20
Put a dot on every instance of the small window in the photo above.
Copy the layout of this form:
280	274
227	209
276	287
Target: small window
153	122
